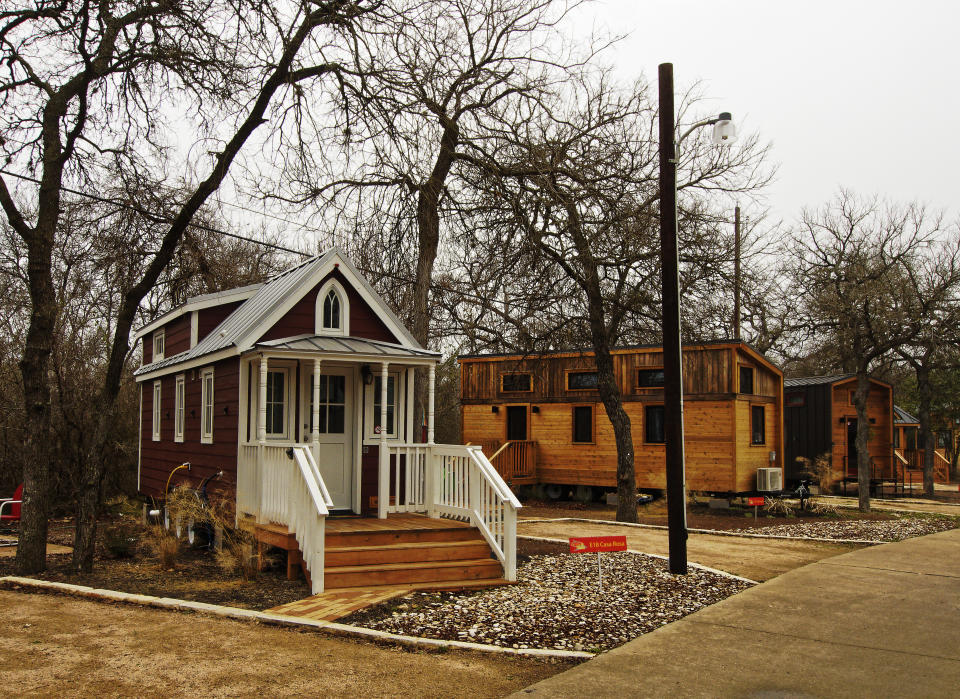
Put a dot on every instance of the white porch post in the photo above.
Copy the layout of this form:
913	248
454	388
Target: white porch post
262	404
383	482
261	434
316	406
431	390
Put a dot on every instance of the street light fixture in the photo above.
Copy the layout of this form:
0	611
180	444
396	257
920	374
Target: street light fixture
723	133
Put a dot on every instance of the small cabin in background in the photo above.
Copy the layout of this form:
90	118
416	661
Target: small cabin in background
910	455
540	420
820	418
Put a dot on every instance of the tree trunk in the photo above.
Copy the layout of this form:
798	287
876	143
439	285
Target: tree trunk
34	366
925	395
428	238
863	432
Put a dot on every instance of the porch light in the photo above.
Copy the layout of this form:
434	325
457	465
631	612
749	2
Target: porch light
494	408
366	374
723	130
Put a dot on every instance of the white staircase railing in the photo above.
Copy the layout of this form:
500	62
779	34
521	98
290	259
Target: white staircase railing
293	493
458	482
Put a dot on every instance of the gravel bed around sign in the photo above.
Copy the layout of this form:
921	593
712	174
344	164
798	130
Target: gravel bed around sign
898	529
557	604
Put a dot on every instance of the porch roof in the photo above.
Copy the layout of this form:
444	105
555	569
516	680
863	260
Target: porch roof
355	348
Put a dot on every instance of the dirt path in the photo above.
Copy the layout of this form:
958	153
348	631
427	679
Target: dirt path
68	647
904	505
757	559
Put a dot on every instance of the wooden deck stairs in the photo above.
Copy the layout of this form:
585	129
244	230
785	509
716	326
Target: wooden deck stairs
408	549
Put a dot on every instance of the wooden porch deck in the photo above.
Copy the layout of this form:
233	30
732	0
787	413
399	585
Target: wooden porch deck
407	521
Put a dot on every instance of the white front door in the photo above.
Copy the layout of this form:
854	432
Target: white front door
335	451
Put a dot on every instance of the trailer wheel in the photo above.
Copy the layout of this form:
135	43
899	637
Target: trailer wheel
554	491
583	493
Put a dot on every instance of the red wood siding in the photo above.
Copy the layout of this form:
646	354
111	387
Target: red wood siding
177	338
299	320
209	318
157	459
147	348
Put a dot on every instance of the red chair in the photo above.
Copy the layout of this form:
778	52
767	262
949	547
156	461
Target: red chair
13	505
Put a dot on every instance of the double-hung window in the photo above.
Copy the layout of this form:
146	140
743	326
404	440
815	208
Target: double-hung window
156	411
206	406
178	409
276	426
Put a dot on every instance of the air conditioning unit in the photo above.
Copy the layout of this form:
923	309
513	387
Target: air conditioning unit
769	480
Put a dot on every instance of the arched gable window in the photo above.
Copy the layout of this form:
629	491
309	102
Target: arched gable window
333	310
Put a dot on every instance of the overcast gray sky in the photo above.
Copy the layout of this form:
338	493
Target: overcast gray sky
850	93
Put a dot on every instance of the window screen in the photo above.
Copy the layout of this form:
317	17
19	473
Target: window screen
580	380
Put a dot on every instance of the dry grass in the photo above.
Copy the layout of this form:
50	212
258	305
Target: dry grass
236	551
778	506
164	544
820	471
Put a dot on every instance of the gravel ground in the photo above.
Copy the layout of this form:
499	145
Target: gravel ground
886	530
557	604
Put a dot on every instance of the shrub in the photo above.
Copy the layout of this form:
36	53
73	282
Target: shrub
119	540
164	544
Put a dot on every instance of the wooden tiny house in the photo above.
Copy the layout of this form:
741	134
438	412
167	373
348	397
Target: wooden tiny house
299	392
909	453
541	421
820	418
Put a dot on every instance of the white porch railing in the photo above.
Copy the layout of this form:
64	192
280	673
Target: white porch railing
282	484
458	482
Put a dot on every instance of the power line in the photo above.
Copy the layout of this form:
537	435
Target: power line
162	219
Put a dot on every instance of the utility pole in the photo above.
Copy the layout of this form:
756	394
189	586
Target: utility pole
672	367
736	273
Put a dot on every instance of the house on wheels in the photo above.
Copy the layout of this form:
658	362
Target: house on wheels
822	419
300	390
540	419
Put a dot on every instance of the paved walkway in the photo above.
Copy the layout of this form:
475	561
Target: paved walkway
880	621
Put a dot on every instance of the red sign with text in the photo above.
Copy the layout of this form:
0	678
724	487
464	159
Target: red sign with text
597	544
755	502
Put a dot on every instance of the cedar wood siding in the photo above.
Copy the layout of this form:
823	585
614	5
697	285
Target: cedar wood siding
820	425
879	409
301	319
719	453
159	458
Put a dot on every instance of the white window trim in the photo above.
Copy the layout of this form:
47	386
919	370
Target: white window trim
159	338
157	394
205	436
194	328
369	419
179	408
287	403
344	329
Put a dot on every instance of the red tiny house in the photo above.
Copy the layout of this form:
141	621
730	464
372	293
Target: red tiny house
300	391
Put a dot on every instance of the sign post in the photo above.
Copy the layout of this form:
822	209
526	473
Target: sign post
755	503
597	544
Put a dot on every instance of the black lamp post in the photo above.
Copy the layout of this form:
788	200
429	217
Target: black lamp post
670	282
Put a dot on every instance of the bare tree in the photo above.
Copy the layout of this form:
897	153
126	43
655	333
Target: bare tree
85	85
850	280
578	183
932	280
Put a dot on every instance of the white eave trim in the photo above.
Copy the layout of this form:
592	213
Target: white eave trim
197	303
348	357
335	258
179	367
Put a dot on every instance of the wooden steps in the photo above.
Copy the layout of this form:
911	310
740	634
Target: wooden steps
432	552
402	573
412	551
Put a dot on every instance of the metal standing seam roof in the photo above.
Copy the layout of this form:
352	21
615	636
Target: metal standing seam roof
344	345
815	380
264	302
902	417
